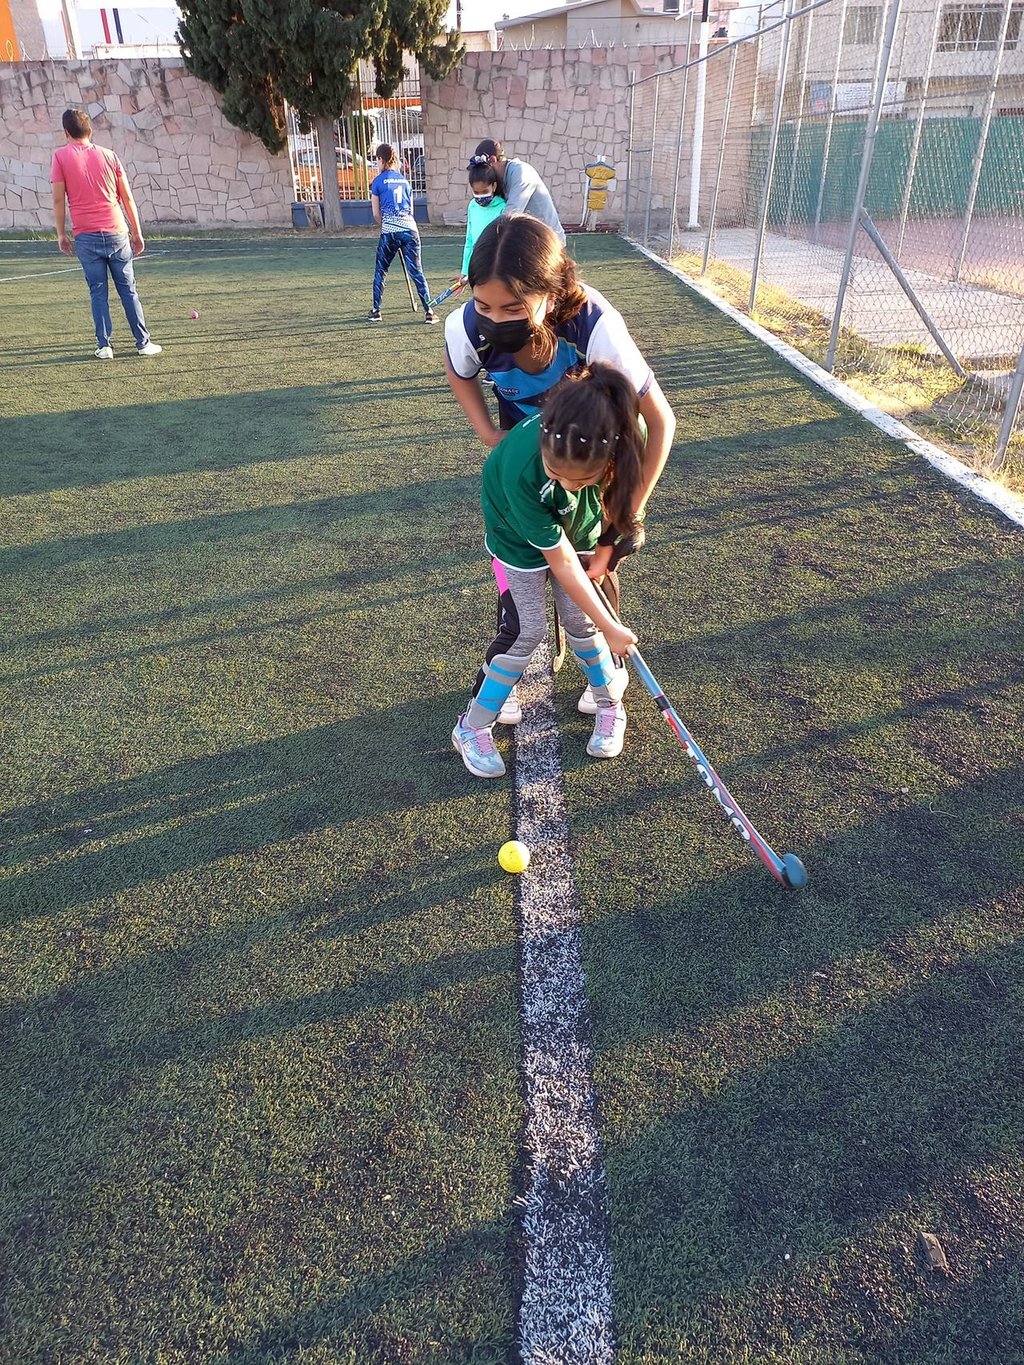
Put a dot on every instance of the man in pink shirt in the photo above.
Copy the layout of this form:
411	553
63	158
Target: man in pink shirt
103	214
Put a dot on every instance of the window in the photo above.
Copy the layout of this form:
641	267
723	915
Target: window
862	25
975	28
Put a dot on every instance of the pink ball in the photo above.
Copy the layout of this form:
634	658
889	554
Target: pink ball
193	315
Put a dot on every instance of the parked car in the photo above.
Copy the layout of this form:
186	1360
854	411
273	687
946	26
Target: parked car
354	174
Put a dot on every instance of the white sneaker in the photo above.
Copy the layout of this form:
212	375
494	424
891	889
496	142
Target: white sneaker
105	353
511	712
588	702
609	729
478	751
150	348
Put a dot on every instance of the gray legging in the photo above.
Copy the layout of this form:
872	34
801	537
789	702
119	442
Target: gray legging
522	626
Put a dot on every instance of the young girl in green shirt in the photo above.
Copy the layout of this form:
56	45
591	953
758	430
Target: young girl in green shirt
558	487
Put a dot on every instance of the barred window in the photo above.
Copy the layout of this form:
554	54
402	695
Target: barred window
975	28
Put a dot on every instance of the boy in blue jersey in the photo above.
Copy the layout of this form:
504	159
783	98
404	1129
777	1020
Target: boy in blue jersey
391	201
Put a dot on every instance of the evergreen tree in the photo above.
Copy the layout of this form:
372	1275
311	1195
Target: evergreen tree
259	53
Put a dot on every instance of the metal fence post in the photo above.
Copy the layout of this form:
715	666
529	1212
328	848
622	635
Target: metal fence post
629	152
654	146
986	123
1013	398
830	121
870	134
799	120
699	101
679	140
721	158
915	145
780	90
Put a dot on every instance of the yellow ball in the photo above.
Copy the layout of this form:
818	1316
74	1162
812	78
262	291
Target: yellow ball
514	856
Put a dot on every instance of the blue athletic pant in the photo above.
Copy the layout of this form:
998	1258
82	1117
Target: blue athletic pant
390	244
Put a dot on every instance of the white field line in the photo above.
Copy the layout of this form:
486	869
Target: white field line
1010	504
566	1310
68	270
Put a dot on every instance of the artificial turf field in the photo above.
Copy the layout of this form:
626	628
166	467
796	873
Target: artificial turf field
261	1098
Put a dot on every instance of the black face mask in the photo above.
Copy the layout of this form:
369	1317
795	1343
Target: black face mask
484	200
505	336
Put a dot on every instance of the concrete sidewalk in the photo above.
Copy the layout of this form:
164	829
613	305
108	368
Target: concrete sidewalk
980	326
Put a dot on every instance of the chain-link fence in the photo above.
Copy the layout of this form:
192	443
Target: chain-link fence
853	176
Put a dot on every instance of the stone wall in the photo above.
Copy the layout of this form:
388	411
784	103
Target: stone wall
560	108
185	162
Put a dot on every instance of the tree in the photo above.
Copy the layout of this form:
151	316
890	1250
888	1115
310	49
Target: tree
257	54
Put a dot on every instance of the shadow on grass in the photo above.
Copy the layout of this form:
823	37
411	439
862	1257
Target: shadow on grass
224	804
308	516
728	948
740	1215
357	1319
94	446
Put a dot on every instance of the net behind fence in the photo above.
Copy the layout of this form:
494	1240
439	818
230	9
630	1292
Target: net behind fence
853	176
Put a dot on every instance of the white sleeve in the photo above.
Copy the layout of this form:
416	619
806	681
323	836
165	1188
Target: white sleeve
462	354
610	340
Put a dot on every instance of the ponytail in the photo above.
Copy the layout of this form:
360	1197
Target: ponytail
594	416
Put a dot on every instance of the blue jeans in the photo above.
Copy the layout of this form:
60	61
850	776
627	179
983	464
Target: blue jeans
97	253
390	244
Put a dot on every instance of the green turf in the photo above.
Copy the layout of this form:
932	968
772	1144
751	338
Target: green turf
260	1040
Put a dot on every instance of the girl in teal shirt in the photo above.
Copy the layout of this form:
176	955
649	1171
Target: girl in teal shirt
488	203
555	489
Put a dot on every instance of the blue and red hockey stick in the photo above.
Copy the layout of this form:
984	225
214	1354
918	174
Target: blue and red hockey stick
788	869
452	289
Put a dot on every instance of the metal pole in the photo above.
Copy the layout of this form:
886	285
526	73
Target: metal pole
699	100
915	145
654	143
830	121
780	90
908	289
979	155
1013	398
870	134
629	151
802	100
679	139
721	158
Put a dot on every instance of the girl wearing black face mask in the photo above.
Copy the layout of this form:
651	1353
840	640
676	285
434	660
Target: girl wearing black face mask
529	324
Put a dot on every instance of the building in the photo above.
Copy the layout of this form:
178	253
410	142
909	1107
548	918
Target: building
39	30
604	23
946	49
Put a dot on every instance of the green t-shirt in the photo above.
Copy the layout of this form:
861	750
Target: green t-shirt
526	511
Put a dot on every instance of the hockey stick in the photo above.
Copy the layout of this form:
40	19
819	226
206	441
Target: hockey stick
788	869
558	653
408	282
452	289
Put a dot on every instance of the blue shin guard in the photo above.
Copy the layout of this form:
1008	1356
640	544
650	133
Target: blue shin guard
595	658
500	675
